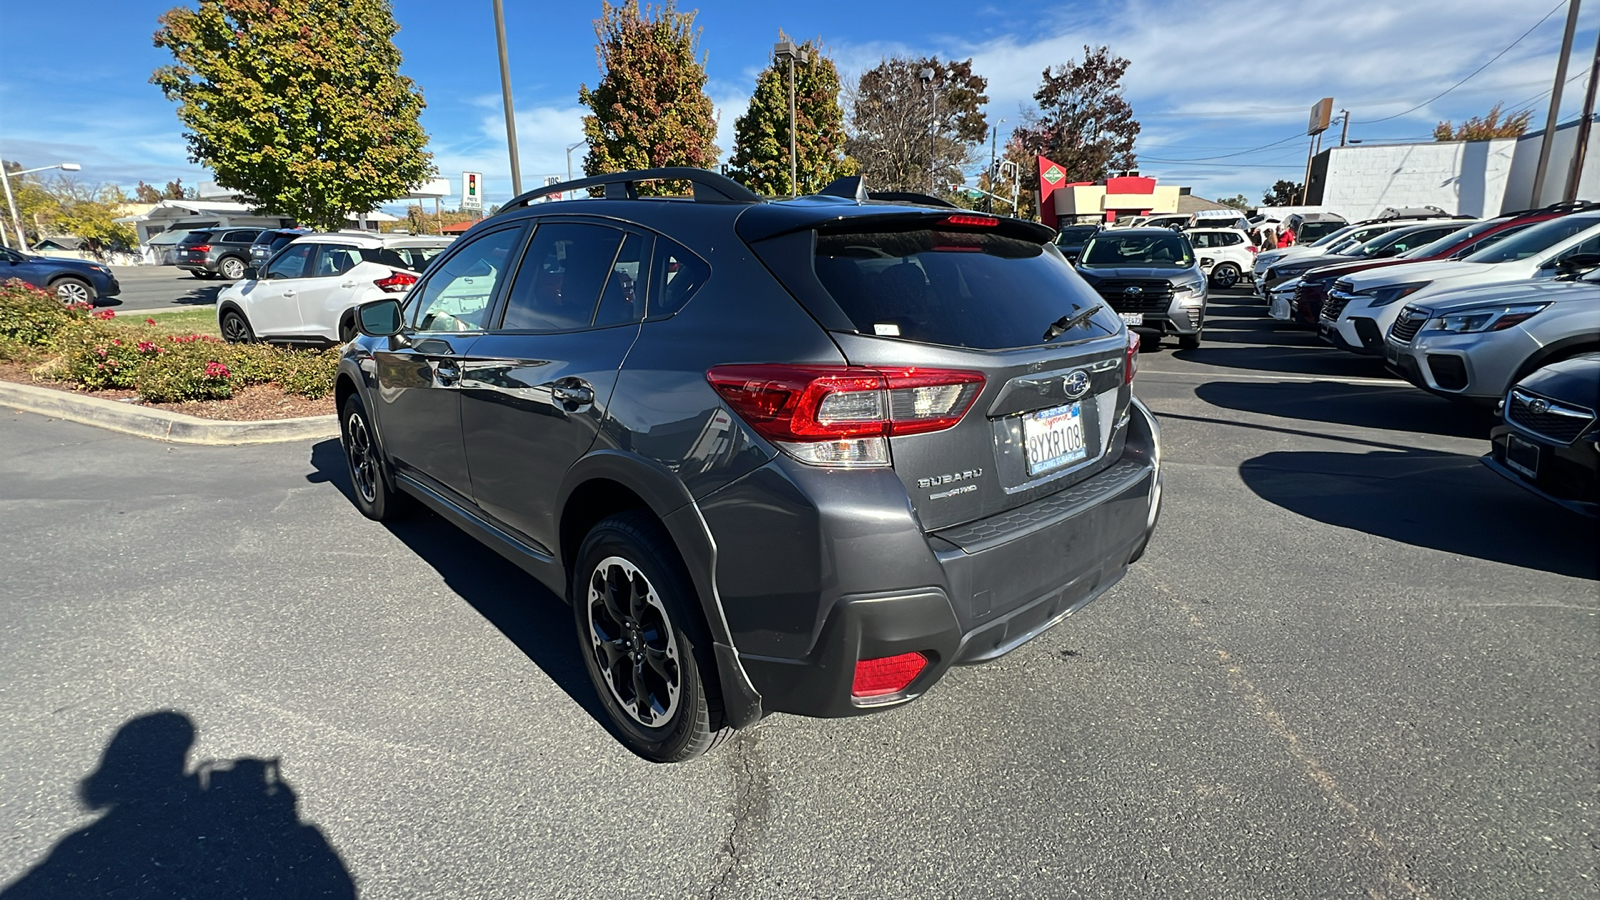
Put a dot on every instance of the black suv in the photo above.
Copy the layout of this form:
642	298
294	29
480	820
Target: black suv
796	456
217	251
269	242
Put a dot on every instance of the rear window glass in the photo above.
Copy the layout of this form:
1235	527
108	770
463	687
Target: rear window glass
414	258
196	237
958	289
1076	234
1310	231
1112	249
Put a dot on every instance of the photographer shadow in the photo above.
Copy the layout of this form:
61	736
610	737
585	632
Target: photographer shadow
220	830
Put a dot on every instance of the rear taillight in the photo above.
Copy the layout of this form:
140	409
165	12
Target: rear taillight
1253	248
1132	363
201	248
887	675
842	415
397	282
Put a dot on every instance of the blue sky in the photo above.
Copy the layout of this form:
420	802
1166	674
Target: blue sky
1208	80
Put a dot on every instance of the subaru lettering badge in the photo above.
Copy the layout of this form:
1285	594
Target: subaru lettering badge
1539	406
1076	384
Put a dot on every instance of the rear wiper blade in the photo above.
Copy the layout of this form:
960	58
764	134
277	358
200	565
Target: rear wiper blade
1067	323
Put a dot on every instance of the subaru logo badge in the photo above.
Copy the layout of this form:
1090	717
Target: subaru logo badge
1132	291
1538	406
1076	384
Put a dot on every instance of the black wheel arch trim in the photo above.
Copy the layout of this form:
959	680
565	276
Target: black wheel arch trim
1554	352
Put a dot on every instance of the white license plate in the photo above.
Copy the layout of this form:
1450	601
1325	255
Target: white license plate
1054	437
1132	318
1522	456
1391	353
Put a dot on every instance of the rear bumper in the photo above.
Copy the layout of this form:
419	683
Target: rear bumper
995	584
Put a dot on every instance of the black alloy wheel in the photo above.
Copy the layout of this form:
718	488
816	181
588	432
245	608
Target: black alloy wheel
373	496
236	328
1225	275
643	640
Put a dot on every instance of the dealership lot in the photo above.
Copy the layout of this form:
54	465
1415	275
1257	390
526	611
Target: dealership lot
1354	662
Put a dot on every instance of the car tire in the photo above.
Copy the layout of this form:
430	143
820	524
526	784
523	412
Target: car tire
235	327
73	290
1189	341
1225	276
200	275
347	330
643	640
232	268
368	484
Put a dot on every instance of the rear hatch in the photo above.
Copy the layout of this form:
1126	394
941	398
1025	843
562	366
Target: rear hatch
955	292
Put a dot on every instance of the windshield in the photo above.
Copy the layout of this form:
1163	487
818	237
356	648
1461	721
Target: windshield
1329	239
1458	238
1076	234
1537	239
1141	250
1312	231
956	288
1380	243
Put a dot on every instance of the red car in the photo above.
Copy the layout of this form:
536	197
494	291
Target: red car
1314	285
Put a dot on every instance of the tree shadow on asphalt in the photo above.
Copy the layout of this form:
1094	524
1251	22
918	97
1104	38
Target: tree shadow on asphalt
223	829
537	621
1364	406
200	293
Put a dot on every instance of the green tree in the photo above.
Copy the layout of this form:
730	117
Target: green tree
1237	201
147	193
1487	127
650	107
761	136
66	206
912	134
1283	193
297	104
1084	124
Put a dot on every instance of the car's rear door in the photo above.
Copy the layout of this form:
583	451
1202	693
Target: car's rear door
326	294
535	388
418	397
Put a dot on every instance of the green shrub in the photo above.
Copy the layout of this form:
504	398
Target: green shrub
96	357
33	317
186	371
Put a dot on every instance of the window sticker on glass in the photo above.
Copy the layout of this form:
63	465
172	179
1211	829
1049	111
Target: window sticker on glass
887	329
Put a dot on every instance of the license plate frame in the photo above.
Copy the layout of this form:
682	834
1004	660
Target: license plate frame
1041	428
1391	354
1132	318
1522	456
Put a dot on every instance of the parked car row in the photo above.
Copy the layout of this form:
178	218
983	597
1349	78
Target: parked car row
1496	311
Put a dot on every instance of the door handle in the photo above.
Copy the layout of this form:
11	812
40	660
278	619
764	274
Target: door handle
288	293
572	393
447	372
347	284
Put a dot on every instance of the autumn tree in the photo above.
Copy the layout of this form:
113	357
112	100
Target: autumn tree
1237	201
297	104
66	206
760	158
650	107
1016	174
1487	127
1283	193
908	133
1083	123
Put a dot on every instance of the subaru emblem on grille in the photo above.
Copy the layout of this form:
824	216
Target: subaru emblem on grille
1538	406
1076	384
1132	291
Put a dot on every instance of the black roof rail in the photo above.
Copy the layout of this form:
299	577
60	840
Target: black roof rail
709	186
1569	206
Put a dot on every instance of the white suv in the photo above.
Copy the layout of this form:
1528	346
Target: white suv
1225	254
309	290
1360	308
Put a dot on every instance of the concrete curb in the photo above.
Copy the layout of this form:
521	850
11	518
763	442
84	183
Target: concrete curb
158	423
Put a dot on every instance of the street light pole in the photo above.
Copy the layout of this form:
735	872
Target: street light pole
5	181
932	87
786	51
505	91
1548	141
994	140
570	148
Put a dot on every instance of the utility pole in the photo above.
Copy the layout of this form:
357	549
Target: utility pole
1344	132
1548	141
1581	148
1311	150
505	91
932	87
786	51
994	140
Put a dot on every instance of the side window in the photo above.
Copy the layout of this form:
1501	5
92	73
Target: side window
623	299
239	237
1230	240
333	259
559	282
1489	241
458	295
676	274
291	263
1592	245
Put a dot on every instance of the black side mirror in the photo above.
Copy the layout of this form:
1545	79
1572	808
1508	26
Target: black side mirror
1578	263
251	273
380	318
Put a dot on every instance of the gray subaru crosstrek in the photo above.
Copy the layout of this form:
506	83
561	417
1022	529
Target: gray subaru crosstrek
798	456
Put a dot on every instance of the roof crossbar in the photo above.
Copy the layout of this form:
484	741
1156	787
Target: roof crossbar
709	186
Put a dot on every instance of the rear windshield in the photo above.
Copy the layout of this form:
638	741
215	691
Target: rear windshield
1310	231
959	289
1536	239
1145	250
1076	234
413	258
196	237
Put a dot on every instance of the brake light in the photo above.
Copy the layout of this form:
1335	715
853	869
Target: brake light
396	283
970	220
1253	248
1132	362
842	415
201	248
887	675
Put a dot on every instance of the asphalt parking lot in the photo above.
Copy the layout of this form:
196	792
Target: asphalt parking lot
160	287
1354	663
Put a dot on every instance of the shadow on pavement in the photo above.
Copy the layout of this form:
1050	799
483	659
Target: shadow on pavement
199	293
1442	501
1366	406
229	829
538	622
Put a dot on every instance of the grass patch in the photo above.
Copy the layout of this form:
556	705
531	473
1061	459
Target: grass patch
191	321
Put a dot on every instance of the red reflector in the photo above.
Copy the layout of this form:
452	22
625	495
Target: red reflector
887	675
827	403
975	221
396	282
1133	356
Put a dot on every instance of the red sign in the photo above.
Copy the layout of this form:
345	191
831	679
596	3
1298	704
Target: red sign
1051	176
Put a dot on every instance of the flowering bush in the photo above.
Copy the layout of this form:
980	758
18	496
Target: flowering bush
187	372
32	317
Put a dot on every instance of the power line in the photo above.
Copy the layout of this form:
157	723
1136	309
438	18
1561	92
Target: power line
1227	155
1474	71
